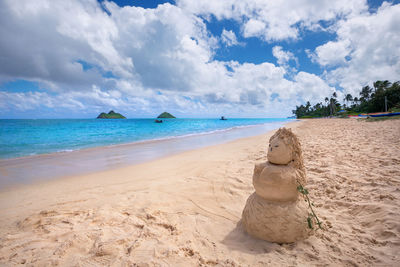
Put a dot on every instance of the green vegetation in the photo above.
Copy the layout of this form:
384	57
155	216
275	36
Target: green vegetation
309	117
382	118
110	115
395	109
166	115
370	100
311	214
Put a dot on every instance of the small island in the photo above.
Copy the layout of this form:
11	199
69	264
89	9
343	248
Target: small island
111	115
166	115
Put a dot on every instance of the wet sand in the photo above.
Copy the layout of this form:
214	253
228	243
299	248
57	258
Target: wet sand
185	209
26	170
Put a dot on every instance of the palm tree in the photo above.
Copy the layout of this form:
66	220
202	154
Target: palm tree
326	102
335	105
381	85
348	98
355	100
365	93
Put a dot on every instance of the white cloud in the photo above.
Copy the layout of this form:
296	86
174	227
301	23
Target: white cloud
38	42
229	38
332	53
164	44
367	49
311	87
276	20
162	58
283	57
253	28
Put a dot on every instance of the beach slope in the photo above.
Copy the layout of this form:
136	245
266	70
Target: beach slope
185	210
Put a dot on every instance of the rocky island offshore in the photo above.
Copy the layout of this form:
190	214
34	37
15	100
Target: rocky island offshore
166	115
111	115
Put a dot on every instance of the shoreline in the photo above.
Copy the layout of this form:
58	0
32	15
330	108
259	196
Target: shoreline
144	141
28	169
134	137
45	190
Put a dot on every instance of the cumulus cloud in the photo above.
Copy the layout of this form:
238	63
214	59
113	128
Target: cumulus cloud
283	57
253	28
143	60
229	38
310	86
39	42
332	53
367	49
276	20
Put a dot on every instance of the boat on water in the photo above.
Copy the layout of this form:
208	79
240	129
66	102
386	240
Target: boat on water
158	121
223	118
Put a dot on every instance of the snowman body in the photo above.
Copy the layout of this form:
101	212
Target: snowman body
276	212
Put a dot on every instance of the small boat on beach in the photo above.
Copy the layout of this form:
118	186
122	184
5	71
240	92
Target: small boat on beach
377	114
385	114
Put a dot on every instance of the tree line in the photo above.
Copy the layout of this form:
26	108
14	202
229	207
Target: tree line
370	99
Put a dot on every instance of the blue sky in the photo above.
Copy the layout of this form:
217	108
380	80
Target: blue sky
192	58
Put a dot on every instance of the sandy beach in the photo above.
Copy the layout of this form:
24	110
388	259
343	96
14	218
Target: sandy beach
185	209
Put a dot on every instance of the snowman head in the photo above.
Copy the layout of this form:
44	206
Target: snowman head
284	148
279	152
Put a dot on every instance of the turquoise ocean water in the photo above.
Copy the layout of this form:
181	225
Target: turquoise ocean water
19	138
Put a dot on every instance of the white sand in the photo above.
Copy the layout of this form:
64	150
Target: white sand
183	210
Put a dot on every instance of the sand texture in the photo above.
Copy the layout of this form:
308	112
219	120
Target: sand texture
279	222
185	210
275	182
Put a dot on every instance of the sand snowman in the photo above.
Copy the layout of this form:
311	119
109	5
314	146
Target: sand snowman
276	211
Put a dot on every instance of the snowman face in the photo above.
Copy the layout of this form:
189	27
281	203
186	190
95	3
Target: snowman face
279	152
